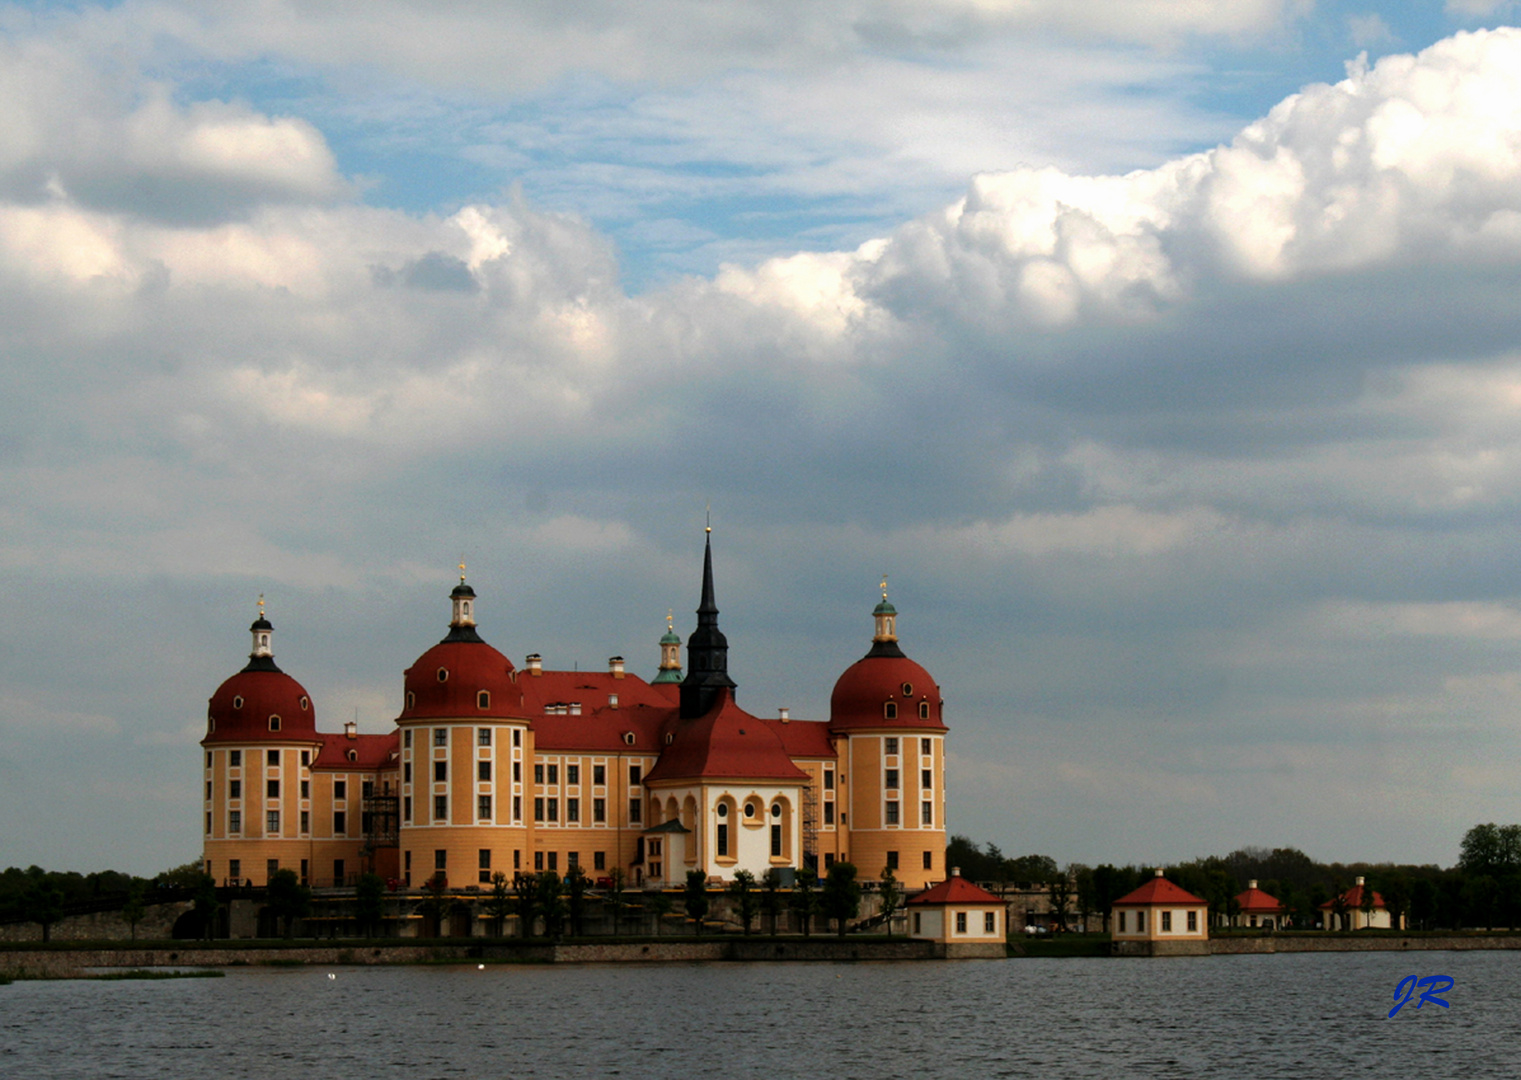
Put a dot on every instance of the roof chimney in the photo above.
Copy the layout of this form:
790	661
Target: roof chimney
535	664
351	729
615	666
1252	884
1359	879
785	714
612	701
1159	872
955	871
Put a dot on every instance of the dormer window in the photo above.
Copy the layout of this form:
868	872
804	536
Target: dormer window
237	701
211	723
670	737
483	699
306	703
890	710
628	738
908	689
274	723
443	674
411	701
352	755
924	710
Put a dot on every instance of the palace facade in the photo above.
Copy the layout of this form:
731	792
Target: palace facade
493	767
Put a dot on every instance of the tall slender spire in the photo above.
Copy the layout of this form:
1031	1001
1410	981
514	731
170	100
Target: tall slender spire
707	648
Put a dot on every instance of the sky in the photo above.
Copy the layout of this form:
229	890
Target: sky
1165	355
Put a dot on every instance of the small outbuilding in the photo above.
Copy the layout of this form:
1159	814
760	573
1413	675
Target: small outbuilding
1256	908
1160	919
1350	907
966	919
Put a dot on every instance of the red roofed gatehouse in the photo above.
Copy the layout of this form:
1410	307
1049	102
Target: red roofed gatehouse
1160	919
967	920
1349	905
1256	908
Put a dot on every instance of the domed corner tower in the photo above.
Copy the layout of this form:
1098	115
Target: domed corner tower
465	747
261	739
886	712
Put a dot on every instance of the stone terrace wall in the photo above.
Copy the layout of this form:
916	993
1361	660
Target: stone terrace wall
158	924
1280	943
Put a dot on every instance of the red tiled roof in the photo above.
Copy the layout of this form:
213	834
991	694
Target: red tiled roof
374	752
467	667
725	743
803	738
1257	902
1156	892
862	692
1353	899
956	890
258	695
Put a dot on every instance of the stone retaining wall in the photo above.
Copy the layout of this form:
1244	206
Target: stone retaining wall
1232	946
158	923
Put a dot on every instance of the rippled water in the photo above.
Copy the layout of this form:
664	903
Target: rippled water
1299	1015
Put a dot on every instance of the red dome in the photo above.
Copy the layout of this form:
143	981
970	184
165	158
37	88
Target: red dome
446	682
862	695
261	705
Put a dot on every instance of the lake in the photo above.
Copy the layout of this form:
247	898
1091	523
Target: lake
1288	1015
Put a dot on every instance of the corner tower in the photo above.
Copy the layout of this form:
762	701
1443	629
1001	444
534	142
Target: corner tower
887	713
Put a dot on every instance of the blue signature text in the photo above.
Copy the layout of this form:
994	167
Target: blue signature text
1429	987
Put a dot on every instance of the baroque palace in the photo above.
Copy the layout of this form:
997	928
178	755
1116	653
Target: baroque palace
493	767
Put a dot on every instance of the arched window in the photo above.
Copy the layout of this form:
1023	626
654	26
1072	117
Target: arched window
411	700
890	710
923	710
483	699
274	723
628	738
353	755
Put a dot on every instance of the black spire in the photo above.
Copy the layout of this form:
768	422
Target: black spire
707	649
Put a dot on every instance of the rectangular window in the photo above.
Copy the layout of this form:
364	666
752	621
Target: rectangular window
929	860
723	840
272	789
306	822
208	789
892	745
272	823
960	922
406	809
538	774
406	739
367	788
340	789
440	808
599	775
918	922
306	758
553	806
406	773
926	813
828	859
776	841
306	789
572	860
635	810
554	774
828	779
635	775
1166	922
538	860
1140	922
892	779
517	808
599	860
926	778
483	771
517	859
271	868
440	772
483	807
892	860
483	736
829	812
208	822
599	811
892	811
234	789
1193	922
441	736
235	868
517	772
273	758
234	758
517	737
989	923
572	774
538	809
1122	922
572	809
440	859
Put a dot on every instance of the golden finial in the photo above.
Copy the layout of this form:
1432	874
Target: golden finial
461	569
709	526
670	621
884	586
261	605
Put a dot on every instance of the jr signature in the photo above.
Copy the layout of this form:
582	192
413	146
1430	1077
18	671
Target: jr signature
1429	986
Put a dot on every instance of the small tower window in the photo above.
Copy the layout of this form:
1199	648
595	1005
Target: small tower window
923	710
353	755
306	703
890	710
908	689
411	700
670	737
483	699
211	725
237	701
628	738
443	674
274	723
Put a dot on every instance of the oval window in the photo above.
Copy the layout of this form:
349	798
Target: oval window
908	689
443	674
306	703
749	809
723	810
776	809
237	702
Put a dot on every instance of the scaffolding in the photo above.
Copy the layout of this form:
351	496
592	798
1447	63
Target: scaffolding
810	826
